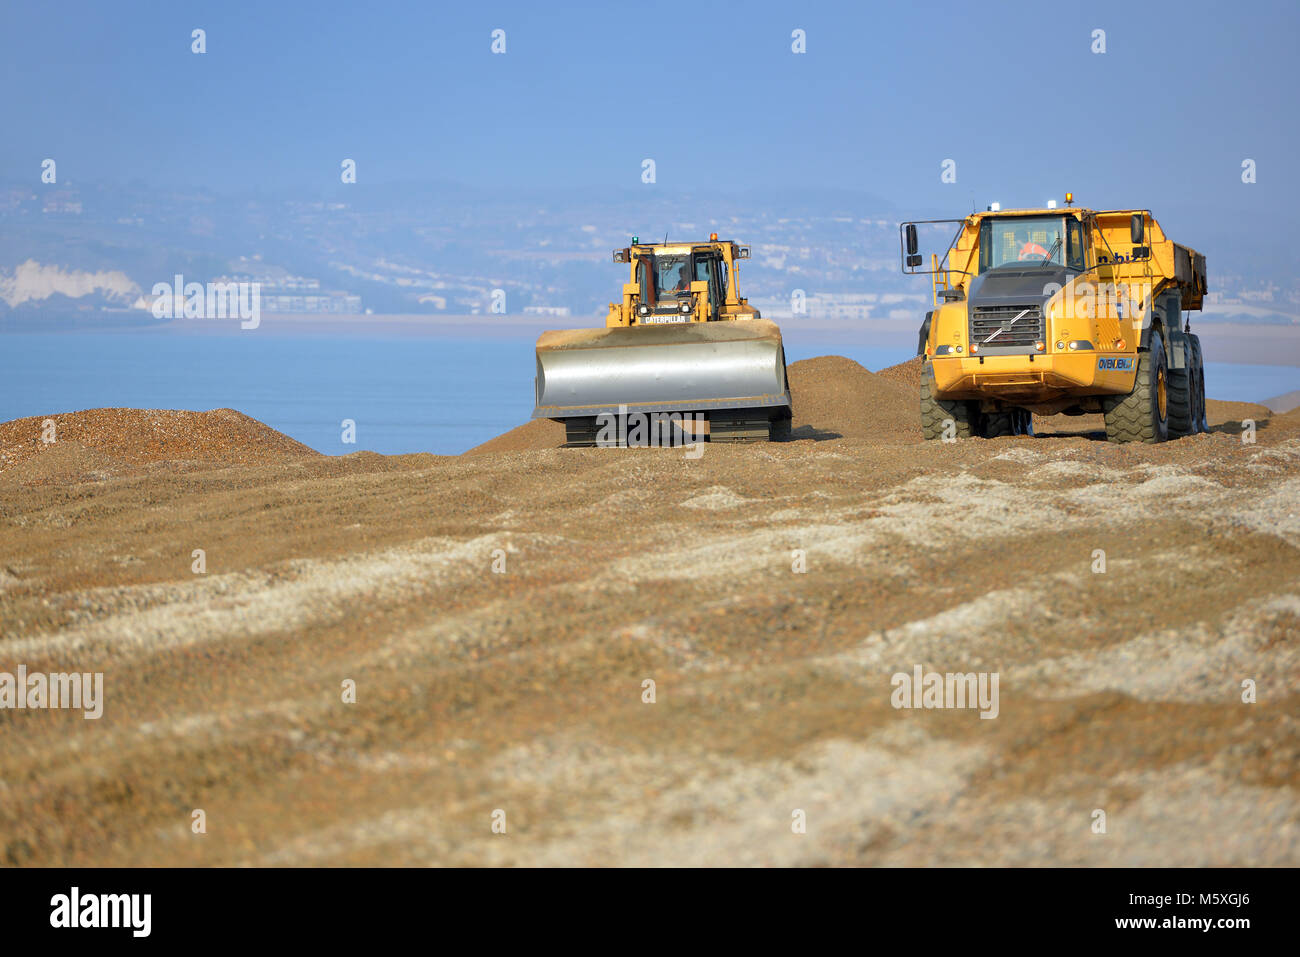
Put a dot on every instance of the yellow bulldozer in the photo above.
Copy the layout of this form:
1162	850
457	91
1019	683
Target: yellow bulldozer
682	344
1059	311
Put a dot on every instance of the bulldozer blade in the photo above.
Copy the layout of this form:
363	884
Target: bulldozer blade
682	367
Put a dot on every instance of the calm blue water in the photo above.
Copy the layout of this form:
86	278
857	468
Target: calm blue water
406	393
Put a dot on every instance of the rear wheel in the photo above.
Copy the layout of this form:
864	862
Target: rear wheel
1181	388
1007	422
1199	421
1143	414
936	412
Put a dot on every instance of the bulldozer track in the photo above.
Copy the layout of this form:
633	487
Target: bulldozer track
584	432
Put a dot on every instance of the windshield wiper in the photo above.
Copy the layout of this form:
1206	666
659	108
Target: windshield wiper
1052	252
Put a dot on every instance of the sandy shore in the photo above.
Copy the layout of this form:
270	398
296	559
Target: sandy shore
522	689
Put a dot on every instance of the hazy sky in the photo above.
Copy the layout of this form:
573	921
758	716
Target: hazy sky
711	91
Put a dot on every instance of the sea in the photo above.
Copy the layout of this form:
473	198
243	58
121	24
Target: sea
441	393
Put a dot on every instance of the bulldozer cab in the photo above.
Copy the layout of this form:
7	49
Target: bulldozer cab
673	274
673	281
680	282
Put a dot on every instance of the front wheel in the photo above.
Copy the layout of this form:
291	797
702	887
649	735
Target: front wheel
936	413
1143	414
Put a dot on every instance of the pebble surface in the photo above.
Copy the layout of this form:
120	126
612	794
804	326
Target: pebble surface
497	617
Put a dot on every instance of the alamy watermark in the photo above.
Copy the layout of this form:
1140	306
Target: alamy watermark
651	430
214	300
128	911
931	689
54	690
1086	300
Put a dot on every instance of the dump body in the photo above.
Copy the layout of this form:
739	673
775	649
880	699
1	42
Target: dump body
1047	310
680	340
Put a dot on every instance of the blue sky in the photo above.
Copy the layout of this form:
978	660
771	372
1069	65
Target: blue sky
710	91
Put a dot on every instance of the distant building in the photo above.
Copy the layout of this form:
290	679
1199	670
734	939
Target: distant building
14	198
64	202
298	294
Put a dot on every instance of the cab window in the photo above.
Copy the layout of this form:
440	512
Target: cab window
672	276
643	279
1076	258
707	269
1022	242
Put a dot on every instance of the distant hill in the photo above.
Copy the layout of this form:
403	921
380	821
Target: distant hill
1284	403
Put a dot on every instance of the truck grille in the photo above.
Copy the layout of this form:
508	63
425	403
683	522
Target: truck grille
1025	331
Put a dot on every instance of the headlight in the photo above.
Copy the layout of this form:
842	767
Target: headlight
685	307
1080	344
643	310
948	350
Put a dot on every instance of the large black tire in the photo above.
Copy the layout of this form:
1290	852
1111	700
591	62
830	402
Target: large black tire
1198	395
1181	389
998	424
934	412
1010	422
1187	394
1143	414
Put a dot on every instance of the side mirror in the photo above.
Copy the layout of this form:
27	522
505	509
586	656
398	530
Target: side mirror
622	255
1137	228
913	258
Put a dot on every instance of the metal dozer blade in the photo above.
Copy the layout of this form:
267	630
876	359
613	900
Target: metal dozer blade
729	374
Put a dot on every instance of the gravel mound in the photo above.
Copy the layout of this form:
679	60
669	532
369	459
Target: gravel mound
836	397
102	439
907	374
833	397
537	434
1218	411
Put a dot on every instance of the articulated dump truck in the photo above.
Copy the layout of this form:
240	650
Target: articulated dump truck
682	348
1070	310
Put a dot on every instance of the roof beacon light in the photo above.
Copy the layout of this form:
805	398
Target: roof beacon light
636	240
713	237
1069	199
